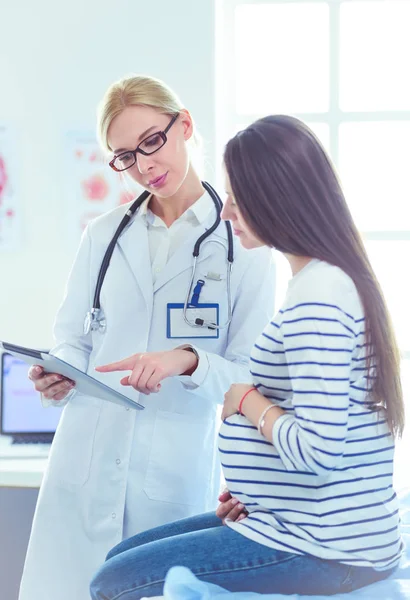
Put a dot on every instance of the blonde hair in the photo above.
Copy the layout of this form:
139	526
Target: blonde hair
136	90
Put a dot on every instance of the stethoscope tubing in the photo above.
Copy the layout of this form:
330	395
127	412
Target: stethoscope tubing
93	316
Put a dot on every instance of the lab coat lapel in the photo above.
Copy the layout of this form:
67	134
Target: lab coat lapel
183	259
133	244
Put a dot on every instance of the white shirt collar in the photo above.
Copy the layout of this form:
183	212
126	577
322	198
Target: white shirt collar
198	212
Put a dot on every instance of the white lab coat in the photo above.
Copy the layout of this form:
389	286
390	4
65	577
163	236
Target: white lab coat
113	472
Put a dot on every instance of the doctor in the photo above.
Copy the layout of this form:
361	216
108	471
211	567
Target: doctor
114	472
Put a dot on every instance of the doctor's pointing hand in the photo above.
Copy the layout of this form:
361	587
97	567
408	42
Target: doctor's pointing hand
149	369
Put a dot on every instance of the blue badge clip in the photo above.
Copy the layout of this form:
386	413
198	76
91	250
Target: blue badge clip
196	293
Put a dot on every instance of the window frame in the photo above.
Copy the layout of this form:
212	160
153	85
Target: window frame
227	119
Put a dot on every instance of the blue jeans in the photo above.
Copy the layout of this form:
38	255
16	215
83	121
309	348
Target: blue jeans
217	554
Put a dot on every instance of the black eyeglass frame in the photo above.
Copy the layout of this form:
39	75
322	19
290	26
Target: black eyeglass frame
138	149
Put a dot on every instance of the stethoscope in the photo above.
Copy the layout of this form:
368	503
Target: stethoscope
94	320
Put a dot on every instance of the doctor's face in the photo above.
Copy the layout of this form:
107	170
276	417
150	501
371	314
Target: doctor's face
163	172
232	213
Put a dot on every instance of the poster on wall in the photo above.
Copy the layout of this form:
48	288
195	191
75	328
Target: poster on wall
9	210
92	187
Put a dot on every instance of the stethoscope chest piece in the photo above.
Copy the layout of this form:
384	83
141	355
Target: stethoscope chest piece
94	322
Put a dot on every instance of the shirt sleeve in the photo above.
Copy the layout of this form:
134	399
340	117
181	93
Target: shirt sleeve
191	382
71	344
47	402
318	347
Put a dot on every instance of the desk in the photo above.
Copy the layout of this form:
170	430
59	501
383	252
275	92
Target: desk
20	480
21	472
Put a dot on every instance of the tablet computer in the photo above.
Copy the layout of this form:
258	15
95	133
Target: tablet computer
84	383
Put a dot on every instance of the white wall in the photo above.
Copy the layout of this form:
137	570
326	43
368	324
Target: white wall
56	60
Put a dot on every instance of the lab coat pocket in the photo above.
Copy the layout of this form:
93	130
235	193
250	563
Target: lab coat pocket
72	449
180	460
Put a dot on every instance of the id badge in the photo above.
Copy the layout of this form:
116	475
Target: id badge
177	328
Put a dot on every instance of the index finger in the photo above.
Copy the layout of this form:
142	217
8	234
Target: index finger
126	364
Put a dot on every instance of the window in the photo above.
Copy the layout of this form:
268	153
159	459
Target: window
342	67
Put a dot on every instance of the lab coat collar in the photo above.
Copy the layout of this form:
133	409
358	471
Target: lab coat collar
133	243
183	259
197	212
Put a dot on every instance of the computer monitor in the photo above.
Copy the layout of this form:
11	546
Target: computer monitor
22	413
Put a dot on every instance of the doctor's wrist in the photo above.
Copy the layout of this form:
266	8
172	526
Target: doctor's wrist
195	360
47	402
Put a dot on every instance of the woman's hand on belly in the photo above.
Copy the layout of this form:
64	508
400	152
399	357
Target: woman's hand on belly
230	508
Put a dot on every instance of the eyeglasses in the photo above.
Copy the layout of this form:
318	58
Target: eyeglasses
149	145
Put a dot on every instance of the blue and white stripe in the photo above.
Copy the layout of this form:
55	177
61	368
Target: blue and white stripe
324	487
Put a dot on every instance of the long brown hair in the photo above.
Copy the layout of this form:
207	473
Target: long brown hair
288	193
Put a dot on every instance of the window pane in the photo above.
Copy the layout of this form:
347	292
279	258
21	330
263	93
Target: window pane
282	57
321	130
283	274
405	379
388	259
374	165
374	55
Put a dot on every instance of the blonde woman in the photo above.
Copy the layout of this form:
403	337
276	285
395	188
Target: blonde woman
115	472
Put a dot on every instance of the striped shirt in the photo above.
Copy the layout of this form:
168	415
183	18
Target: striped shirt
324	487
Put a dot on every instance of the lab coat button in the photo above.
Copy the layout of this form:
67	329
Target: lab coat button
127	408
118	461
113	515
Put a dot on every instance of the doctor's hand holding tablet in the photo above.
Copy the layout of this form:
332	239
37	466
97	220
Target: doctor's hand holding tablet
147	372
52	386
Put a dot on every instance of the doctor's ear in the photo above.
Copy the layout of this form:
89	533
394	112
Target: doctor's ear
187	123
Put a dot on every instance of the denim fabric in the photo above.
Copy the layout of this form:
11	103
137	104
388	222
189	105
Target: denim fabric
216	554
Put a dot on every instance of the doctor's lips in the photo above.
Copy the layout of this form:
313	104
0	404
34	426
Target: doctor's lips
158	181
